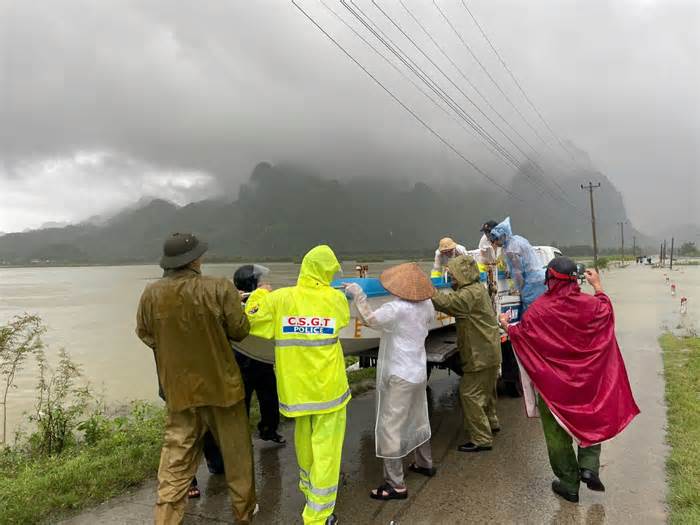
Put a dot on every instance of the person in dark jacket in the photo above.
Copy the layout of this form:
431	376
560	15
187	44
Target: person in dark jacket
258	377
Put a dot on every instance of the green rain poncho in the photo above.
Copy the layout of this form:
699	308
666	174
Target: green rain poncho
478	337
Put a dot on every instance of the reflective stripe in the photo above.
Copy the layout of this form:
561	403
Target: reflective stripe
303	407
319	507
319	492
303	473
323	492
306	342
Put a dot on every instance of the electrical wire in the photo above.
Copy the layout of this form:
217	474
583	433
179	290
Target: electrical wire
515	80
532	161
404	106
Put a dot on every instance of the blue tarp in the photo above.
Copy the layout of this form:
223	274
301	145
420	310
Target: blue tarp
373	288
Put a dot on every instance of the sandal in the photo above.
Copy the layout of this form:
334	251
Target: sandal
425	471
386	492
193	492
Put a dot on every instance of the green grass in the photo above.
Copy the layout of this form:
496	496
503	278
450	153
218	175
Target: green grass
682	371
41	489
32	489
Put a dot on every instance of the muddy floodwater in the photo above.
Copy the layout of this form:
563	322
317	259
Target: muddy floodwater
91	313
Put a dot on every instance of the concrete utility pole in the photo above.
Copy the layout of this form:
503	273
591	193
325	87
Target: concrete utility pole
634	248
672	239
622	242
590	189
664	257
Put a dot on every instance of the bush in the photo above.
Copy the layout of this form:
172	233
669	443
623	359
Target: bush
19	338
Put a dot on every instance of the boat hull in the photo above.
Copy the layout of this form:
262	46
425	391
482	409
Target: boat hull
355	338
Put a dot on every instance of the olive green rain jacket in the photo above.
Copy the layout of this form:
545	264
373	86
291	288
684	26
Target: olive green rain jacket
478	337
188	319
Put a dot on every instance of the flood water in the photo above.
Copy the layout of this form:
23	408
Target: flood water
91	312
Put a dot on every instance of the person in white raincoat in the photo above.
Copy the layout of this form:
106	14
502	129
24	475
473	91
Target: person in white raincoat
402	424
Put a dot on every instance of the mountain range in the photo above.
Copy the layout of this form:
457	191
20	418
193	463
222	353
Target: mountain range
283	210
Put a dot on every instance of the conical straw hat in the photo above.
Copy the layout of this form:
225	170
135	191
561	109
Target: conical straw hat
408	282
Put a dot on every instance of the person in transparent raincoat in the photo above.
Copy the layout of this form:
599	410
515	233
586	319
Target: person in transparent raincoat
523	263
402	423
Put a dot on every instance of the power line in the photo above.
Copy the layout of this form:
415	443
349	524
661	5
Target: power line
515	80
495	83
365	20
461	72
534	163
486	71
404	106
409	79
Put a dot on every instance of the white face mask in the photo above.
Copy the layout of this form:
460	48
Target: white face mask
338	275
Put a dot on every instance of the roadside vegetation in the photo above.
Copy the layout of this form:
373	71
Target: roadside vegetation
682	371
78	452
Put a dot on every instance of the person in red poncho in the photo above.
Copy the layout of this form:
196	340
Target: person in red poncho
567	350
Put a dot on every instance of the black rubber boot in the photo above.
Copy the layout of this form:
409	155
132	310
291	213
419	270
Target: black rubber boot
592	480
560	491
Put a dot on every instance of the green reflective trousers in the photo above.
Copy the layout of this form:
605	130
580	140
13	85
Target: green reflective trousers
562	458
318	439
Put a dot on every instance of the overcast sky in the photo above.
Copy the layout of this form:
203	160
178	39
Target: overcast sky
102	103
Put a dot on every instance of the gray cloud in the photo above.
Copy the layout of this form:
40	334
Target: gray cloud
181	98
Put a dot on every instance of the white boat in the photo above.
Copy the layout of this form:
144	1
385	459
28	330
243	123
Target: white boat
354	338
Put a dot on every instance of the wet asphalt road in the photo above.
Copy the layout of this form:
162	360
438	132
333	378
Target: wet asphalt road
507	485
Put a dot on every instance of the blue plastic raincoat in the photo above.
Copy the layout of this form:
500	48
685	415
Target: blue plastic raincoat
523	263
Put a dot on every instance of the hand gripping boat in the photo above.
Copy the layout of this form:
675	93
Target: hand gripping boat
354	338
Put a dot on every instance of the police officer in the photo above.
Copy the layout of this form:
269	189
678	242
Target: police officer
305	322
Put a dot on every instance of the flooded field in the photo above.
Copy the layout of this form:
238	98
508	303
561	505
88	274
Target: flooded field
91	313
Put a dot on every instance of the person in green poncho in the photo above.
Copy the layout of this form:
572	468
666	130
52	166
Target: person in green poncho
479	343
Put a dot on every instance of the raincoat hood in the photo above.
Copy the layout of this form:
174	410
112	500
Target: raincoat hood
464	270
318	267
501	231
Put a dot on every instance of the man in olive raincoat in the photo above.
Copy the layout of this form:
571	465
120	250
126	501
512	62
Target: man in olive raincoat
188	320
478	340
305	322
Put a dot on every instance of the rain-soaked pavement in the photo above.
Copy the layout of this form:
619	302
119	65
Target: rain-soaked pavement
507	485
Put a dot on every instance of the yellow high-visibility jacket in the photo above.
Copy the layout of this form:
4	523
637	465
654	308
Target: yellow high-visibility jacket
305	322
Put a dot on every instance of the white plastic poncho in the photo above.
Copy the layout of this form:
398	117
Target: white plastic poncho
402	423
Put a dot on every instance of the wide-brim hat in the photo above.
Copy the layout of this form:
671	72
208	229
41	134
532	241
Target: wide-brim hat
408	282
447	244
180	249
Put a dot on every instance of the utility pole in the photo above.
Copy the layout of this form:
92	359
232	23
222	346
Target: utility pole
622	242
672	239
661	254
664	258
634	248
590	189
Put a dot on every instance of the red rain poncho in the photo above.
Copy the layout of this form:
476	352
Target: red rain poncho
566	343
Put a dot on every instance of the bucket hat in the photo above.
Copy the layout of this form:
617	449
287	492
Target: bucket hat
180	249
447	244
408	282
